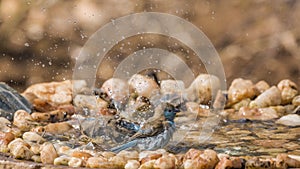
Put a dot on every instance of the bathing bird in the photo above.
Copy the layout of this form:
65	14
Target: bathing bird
153	134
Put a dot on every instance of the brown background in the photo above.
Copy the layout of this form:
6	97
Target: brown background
256	39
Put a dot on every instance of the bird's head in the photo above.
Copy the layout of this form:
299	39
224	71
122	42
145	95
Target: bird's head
170	112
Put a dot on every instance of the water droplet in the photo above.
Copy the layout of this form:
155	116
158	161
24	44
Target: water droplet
26	44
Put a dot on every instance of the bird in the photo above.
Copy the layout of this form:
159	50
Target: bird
153	134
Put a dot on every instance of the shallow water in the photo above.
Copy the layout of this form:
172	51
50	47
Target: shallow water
239	138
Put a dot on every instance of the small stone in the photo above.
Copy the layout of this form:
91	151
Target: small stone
290	162
171	86
165	162
90	102
40	117
150	157
36	158
143	85
296	101
241	89
288	90
289	120
262	86
4	124
6	138
48	96
233	162
81	155
58	128
254	114
196	159
23	120
132	164
202	88
271	97
116	89
148	165
35	148
48	153
19	149
33	137
96	162
75	162
242	103
62	160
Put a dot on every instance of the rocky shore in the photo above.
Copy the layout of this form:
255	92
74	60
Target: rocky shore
251	125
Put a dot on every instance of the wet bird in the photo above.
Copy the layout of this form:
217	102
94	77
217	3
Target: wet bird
153	134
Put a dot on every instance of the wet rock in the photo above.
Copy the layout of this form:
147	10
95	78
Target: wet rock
90	102
202	87
288	90
48	96
143	85
35	148
150	157
40	117
200	159
270	97
48	153
254	114
241	89
262	86
171	86
11	101
4	125
19	149
296	100
23	120
33	137
289	120
148	165
156	153
96	162
116	89
122	157
132	164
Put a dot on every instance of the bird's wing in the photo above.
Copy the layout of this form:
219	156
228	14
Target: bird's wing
125	146
149	129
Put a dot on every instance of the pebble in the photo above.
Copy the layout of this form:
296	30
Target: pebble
233	162
202	87
62	160
289	120
81	155
58	128
48	96
271	97
23	120
36	158
116	89
35	148
270	143
262	86
240	104
296	100
40	117
19	149
6	137
165	162
148	165
171	86
75	162
33	137
143	85
254	114
288	160
48	153
90	102
4	124
96	162
132	164
241	89
288	90
196	159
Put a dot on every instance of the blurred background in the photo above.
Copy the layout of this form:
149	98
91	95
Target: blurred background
256	39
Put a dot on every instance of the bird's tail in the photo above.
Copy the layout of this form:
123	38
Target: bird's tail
130	144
